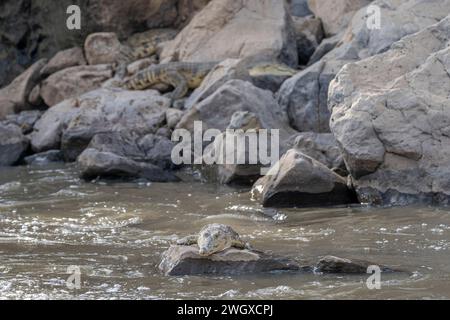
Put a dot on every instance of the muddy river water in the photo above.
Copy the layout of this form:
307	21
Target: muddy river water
115	234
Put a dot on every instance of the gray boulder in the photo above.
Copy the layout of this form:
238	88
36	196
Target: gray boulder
96	164
393	127
72	124
300	181
25	120
305	95
44	158
185	260
309	34
13	144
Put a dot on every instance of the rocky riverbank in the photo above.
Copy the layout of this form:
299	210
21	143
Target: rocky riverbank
363	112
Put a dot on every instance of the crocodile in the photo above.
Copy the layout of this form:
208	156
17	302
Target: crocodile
215	238
180	75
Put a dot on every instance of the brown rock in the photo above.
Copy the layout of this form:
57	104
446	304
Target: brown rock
74	81
64	59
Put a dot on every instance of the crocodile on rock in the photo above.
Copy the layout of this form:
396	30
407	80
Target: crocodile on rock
182	76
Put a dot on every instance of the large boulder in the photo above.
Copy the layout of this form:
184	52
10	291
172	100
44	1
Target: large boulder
216	33
96	164
72	124
14	97
237	95
301	181
185	261
74	81
322	147
64	59
336	14
13	144
393	126
304	96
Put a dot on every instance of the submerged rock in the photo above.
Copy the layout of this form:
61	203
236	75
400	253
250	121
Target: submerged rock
300	181
44	158
186	260
97	164
332	264
13	144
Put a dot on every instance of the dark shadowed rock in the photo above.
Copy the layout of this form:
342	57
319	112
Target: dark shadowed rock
332	264
13	144
185	260
301	181
44	158
308	34
96	164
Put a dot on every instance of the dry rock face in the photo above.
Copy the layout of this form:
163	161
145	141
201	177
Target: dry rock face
301	181
64	59
304	96
14	97
74	81
236	29
72	124
13	144
391	118
336	14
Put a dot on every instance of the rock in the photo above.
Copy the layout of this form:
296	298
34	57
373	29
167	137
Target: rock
25	120
237	95
64	59
268	75
322	147
27	28
74	81
44	158
13	144
309	34
332	264
102	48
185	260
164	132
324	47
300	181
71	124
305	96
299	8
215	33
14	97
151	148
393	126
336	14
94	164
173	116
35	98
